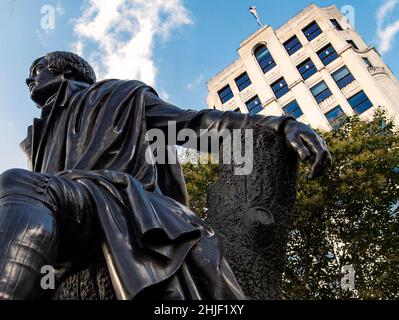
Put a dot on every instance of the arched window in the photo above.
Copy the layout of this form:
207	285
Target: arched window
264	58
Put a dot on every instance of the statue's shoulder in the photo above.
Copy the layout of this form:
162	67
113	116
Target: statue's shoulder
94	93
114	84
97	91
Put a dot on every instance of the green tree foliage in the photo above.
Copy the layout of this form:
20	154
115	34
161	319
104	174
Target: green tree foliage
349	216
199	175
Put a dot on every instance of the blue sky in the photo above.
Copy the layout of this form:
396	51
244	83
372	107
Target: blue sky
176	47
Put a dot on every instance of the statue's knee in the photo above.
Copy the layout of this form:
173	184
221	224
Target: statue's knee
11	177
22	183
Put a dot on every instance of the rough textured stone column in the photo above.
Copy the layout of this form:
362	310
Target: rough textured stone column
252	215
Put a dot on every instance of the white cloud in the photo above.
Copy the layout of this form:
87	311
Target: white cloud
196	82
386	29
118	36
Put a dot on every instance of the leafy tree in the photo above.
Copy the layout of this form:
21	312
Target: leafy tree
349	217
199	175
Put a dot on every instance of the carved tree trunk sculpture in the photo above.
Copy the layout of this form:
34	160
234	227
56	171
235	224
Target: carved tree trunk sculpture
252	214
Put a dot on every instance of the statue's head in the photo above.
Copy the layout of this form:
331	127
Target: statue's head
47	73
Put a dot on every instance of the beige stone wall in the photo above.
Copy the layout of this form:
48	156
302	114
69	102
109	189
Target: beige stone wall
378	82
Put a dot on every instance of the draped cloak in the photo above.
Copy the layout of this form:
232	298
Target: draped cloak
95	135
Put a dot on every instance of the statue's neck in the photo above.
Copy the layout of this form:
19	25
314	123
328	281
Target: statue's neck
47	106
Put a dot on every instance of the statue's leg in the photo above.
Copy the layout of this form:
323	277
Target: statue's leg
39	215
28	234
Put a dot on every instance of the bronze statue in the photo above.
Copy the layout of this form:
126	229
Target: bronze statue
91	194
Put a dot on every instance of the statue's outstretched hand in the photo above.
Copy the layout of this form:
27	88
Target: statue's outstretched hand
309	146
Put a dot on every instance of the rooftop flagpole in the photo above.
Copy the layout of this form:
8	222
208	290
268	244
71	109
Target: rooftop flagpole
254	12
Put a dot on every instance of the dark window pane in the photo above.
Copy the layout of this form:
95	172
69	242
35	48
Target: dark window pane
345	81
293	109
321	92
367	61
312	31
330	58
324	95
243	81
360	102
307	69
254	105
280	87
335	116
357	99
353	44
318	88
336	24
265	59
327	54
343	77
340	73
334	113
365	105
292	45
225	94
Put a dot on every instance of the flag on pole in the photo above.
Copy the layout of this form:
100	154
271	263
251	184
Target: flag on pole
255	14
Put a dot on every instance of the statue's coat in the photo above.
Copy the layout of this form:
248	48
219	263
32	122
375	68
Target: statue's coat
95	135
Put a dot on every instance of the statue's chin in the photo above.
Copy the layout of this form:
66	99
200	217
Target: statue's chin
40	97
39	103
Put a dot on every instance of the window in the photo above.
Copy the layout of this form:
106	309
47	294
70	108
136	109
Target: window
312	31
292	45
254	106
327	54
360	102
280	87
225	94
336	24
293	109
307	69
367	61
335	116
353	44
265	59
321	92
342	77
243	81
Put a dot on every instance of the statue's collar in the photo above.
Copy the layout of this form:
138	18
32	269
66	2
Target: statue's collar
67	90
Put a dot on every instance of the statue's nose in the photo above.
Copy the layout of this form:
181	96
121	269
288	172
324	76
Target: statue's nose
29	80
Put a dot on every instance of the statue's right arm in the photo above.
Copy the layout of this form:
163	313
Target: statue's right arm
299	137
159	113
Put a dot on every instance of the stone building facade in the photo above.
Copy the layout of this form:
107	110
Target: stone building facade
315	67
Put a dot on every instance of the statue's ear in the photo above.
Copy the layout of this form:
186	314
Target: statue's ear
58	72
68	73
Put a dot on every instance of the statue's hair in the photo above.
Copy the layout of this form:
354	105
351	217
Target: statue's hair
60	61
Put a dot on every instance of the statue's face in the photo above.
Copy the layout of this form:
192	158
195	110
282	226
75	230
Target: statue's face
42	83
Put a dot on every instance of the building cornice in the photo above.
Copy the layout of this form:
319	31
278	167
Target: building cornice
252	36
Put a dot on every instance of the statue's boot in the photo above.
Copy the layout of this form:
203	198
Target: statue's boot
28	242
39	214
